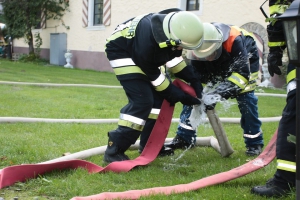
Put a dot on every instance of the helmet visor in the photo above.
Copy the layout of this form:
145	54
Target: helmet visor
191	54
214	56
211	48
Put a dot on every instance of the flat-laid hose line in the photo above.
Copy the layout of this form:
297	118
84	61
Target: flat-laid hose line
13	174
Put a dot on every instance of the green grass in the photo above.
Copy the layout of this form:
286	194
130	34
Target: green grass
26	72
38	142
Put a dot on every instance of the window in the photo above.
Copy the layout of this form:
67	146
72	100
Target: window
192	5
98	12
195	6
38	16
41	20
95	16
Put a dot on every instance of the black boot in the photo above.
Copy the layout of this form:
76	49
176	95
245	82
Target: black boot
115	149
254	150
273	189
165	151
178	143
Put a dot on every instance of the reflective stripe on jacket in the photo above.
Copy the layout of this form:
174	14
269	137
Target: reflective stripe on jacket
236	78
134	54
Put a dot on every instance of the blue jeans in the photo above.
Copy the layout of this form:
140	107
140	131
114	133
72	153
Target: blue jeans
247	103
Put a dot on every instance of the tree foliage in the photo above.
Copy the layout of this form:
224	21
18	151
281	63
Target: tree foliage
21	16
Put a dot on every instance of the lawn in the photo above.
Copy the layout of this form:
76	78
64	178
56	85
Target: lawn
29	143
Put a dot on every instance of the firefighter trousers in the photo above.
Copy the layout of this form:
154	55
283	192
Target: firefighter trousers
139	115
286	151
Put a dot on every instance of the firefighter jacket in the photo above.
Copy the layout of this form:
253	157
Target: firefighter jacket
231	69
275	30
134	54
276	37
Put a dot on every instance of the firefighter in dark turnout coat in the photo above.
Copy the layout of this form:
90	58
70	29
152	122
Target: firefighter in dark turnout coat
136	50
284	179
223	60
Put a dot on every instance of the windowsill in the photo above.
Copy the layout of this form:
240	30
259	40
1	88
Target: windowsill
96	28
196	12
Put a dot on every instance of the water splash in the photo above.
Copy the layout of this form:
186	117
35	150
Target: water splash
209	99
226	105
182	154
217	76
198	114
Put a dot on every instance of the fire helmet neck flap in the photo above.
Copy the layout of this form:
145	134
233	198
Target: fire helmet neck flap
211	48
181	28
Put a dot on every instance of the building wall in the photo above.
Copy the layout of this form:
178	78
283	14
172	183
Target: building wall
87	45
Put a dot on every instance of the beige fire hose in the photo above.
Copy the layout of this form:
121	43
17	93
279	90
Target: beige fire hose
209	141
226	149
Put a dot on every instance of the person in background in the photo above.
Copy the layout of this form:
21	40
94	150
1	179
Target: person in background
136	50
284	179
223	61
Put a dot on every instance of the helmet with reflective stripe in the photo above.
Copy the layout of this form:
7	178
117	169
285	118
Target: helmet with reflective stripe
211	48
185	28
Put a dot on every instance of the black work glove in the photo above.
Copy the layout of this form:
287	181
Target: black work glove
189	100
210	100
198	88
274	61
227	90
210	107
173	95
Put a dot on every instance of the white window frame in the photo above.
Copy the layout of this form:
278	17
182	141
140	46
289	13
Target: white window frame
182	6
91	25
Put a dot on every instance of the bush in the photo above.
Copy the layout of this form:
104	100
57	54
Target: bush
34	58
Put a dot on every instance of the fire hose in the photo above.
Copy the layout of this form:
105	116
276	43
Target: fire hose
13	174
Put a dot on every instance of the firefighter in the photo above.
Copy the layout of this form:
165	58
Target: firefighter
136	50
284	179
223	61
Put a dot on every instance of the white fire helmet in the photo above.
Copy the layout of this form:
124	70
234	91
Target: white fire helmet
185	28
211	48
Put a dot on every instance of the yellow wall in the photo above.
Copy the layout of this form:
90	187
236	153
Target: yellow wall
237	12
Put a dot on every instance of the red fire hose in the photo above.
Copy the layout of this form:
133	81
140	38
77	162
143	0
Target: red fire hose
20	173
